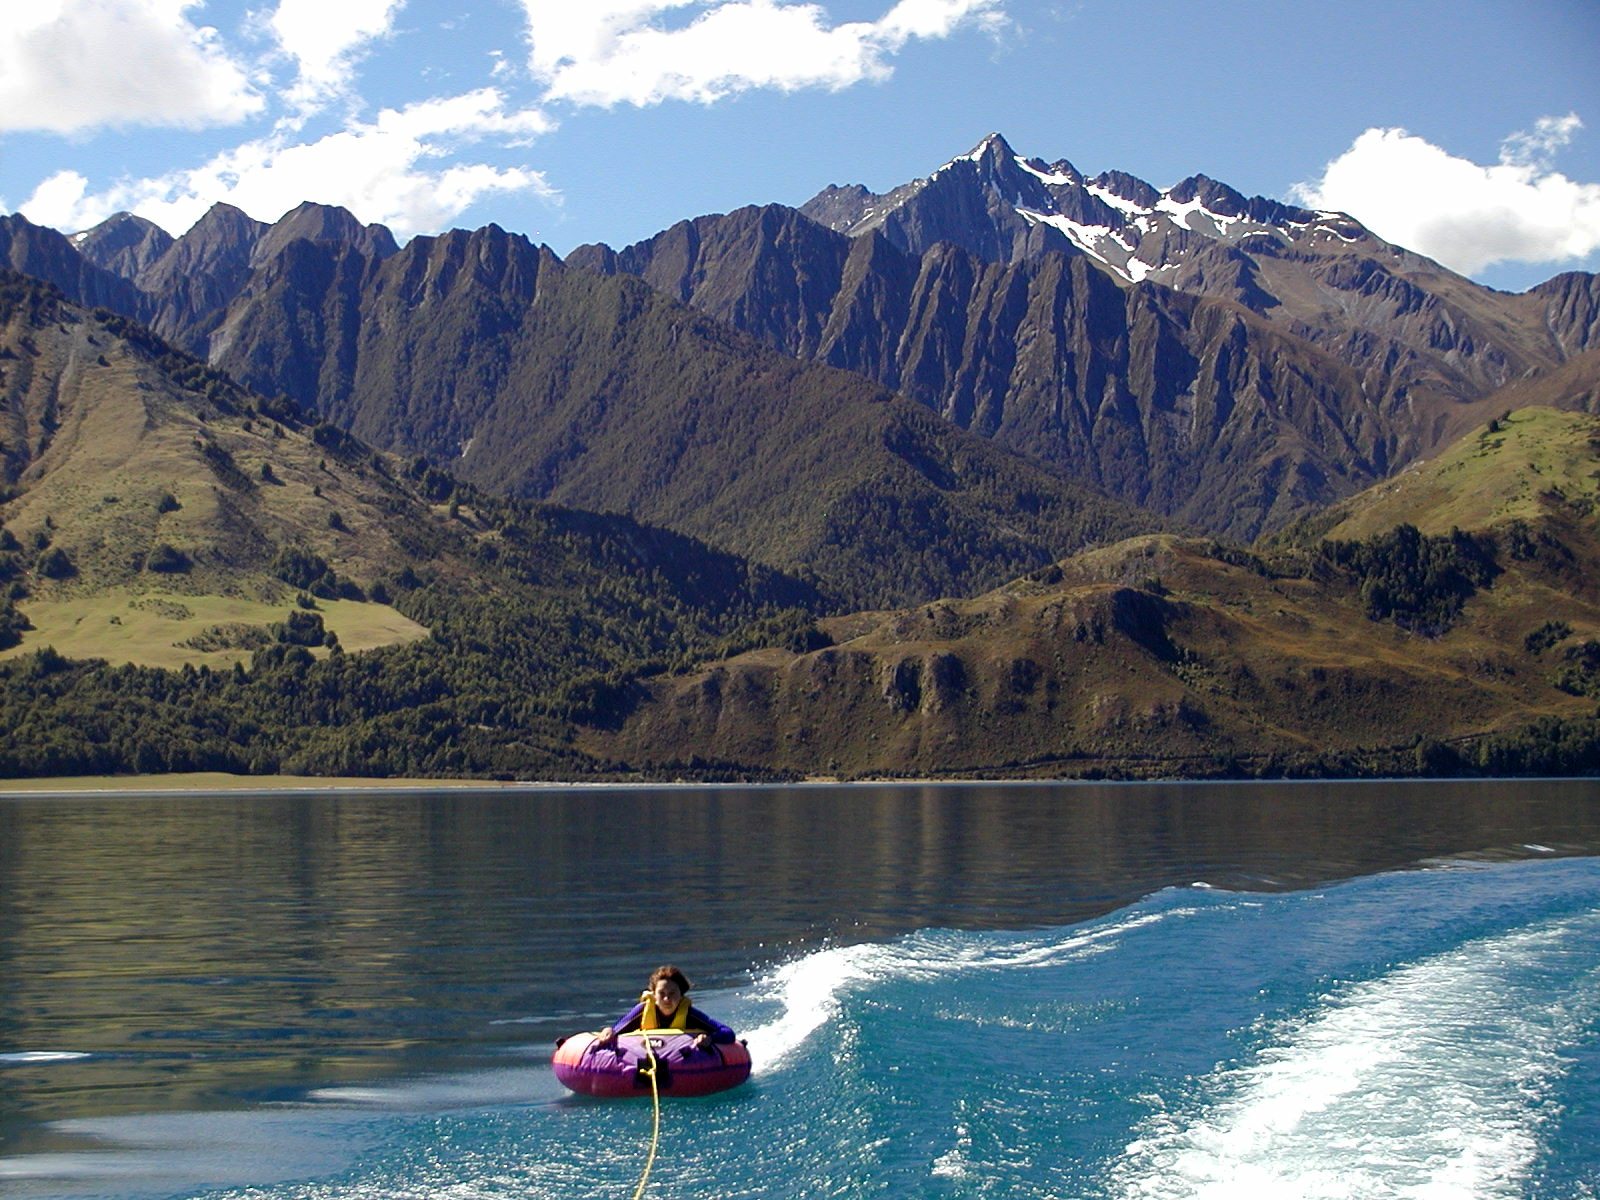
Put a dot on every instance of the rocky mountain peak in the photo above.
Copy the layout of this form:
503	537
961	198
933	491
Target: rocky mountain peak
1126	187
328	224
46	254
223	225
123	243
221	240
1004	207
993	150
1213	196
995	165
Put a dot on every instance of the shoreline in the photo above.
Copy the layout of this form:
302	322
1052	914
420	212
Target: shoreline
189	784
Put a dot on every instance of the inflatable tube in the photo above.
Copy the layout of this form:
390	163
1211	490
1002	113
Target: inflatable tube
616	1070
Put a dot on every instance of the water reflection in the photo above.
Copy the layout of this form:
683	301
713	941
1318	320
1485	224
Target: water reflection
203	950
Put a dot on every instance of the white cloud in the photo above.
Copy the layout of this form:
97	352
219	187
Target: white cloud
1537	147
325	39
1465	215
384	171
616	51
72	65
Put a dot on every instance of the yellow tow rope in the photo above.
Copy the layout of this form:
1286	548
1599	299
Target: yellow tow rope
655	1131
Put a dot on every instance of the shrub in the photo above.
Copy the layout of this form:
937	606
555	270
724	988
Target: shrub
167	559
301	628
12	626
54	564
306	570
1547	635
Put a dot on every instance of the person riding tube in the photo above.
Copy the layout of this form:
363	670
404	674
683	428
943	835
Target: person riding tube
664	1005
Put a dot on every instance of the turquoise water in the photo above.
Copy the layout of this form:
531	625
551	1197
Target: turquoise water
1276	1025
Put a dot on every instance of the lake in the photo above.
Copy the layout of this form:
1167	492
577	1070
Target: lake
1036	990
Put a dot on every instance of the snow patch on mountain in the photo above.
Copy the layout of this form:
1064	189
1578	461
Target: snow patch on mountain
1127	226
1051	177
1121	203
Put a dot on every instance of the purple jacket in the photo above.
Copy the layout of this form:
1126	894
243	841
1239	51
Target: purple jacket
698	1022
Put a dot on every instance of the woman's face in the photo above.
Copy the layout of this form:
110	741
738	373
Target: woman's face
667	996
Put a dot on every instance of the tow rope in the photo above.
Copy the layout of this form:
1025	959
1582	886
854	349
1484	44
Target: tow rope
655	1101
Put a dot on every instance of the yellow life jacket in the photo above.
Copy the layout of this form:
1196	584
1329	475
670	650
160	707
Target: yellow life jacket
651	1019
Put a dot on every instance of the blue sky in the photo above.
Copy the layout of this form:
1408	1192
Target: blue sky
1468	130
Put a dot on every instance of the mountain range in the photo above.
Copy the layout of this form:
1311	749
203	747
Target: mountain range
989	378
491	357
1226	363
1223	361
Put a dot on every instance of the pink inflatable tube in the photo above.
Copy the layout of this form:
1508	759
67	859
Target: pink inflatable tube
617	1070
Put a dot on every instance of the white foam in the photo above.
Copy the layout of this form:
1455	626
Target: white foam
353	1095
33	1057
59	1166
955	1163
809	992
471	1089
1430	1082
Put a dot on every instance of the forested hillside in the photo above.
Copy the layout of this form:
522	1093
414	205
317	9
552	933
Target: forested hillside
136	473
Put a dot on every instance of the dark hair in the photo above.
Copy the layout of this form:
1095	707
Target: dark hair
668	972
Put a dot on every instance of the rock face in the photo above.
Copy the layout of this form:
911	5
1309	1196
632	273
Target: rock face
483	352
1190	406
47	255
1226	362
189	288
124	244
1571	304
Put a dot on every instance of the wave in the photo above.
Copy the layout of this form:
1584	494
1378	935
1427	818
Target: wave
36	1057
1435	1079
1413	1036
808	992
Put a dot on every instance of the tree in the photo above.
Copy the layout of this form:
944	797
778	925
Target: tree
302	628
12	626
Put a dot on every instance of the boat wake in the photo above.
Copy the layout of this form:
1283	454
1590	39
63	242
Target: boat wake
1434	1080
1427	1035
807	993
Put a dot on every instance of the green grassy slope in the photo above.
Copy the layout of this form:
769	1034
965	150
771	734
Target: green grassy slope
1164	656
165	629
1506	471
